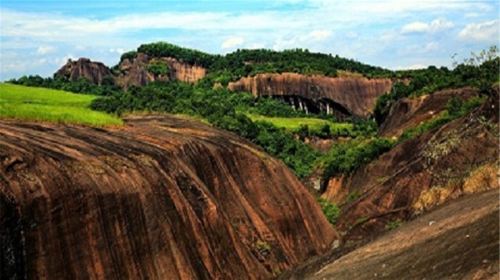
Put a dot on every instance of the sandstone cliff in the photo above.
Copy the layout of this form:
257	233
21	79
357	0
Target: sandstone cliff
356	95
93	71
410	112
419	174
134	72
159	198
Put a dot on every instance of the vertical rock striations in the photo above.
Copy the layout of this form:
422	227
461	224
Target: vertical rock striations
93	71
160	198
356	95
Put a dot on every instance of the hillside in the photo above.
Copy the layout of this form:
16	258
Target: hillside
456	241
283	164
41	104
159	197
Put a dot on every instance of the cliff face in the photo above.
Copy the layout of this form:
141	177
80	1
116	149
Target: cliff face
134	72
93	71
159	198
410	112
419	174
357	95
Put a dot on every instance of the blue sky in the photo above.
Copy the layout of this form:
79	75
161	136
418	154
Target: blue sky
38	36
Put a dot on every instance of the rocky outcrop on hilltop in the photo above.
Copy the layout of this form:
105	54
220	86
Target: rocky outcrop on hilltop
410	112
159	198
93	71
135	72
419	174
342	95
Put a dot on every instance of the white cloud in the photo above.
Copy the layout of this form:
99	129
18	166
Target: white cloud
423	27
42	50
320	35
483	32
232	42
117	50
63	60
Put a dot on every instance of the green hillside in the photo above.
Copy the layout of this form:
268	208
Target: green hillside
42	104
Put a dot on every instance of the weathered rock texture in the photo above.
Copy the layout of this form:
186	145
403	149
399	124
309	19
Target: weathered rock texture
456	241
134	72
410	112
356	95
159	198
417	175
93	71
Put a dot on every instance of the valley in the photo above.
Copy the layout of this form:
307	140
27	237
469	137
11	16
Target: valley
256	164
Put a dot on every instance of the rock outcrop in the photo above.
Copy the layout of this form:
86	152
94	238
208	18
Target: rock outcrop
410	112
456	241
345	95
134	72
419	174
93	71
159	198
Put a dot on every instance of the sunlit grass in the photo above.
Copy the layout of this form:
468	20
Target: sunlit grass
293	124
42	104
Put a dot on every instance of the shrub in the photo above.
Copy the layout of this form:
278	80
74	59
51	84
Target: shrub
330	210
344	158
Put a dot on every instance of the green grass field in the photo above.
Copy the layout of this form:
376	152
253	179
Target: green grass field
42	104
293	124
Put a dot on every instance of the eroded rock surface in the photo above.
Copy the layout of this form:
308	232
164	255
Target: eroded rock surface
410	112
356	95
134	72
456	241
417	175
159	198
93	71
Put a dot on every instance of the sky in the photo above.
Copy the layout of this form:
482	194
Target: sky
38	36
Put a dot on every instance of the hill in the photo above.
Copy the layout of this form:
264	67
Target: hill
41	104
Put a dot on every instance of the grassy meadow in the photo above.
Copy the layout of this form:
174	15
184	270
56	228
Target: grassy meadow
42	104
293	124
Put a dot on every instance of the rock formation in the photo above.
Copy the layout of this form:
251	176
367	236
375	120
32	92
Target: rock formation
419	174
95	72
159	198
456	241
410	112
344	95
134	72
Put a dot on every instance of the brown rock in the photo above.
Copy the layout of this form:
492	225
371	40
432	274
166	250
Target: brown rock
134	72
357	95
93	71
159	198
419	174
456	241
410	112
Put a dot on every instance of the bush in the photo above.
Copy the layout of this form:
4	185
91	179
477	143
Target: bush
331	211
345	158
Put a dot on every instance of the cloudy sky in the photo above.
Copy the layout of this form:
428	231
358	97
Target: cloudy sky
38	36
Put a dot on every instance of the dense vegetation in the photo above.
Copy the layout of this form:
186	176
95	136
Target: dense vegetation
219	107
41	104
80	86
240	63
345	158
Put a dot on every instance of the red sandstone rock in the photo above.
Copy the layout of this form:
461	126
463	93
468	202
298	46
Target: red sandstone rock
93	71
134	72
417	175
410	112
160	198
358	95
